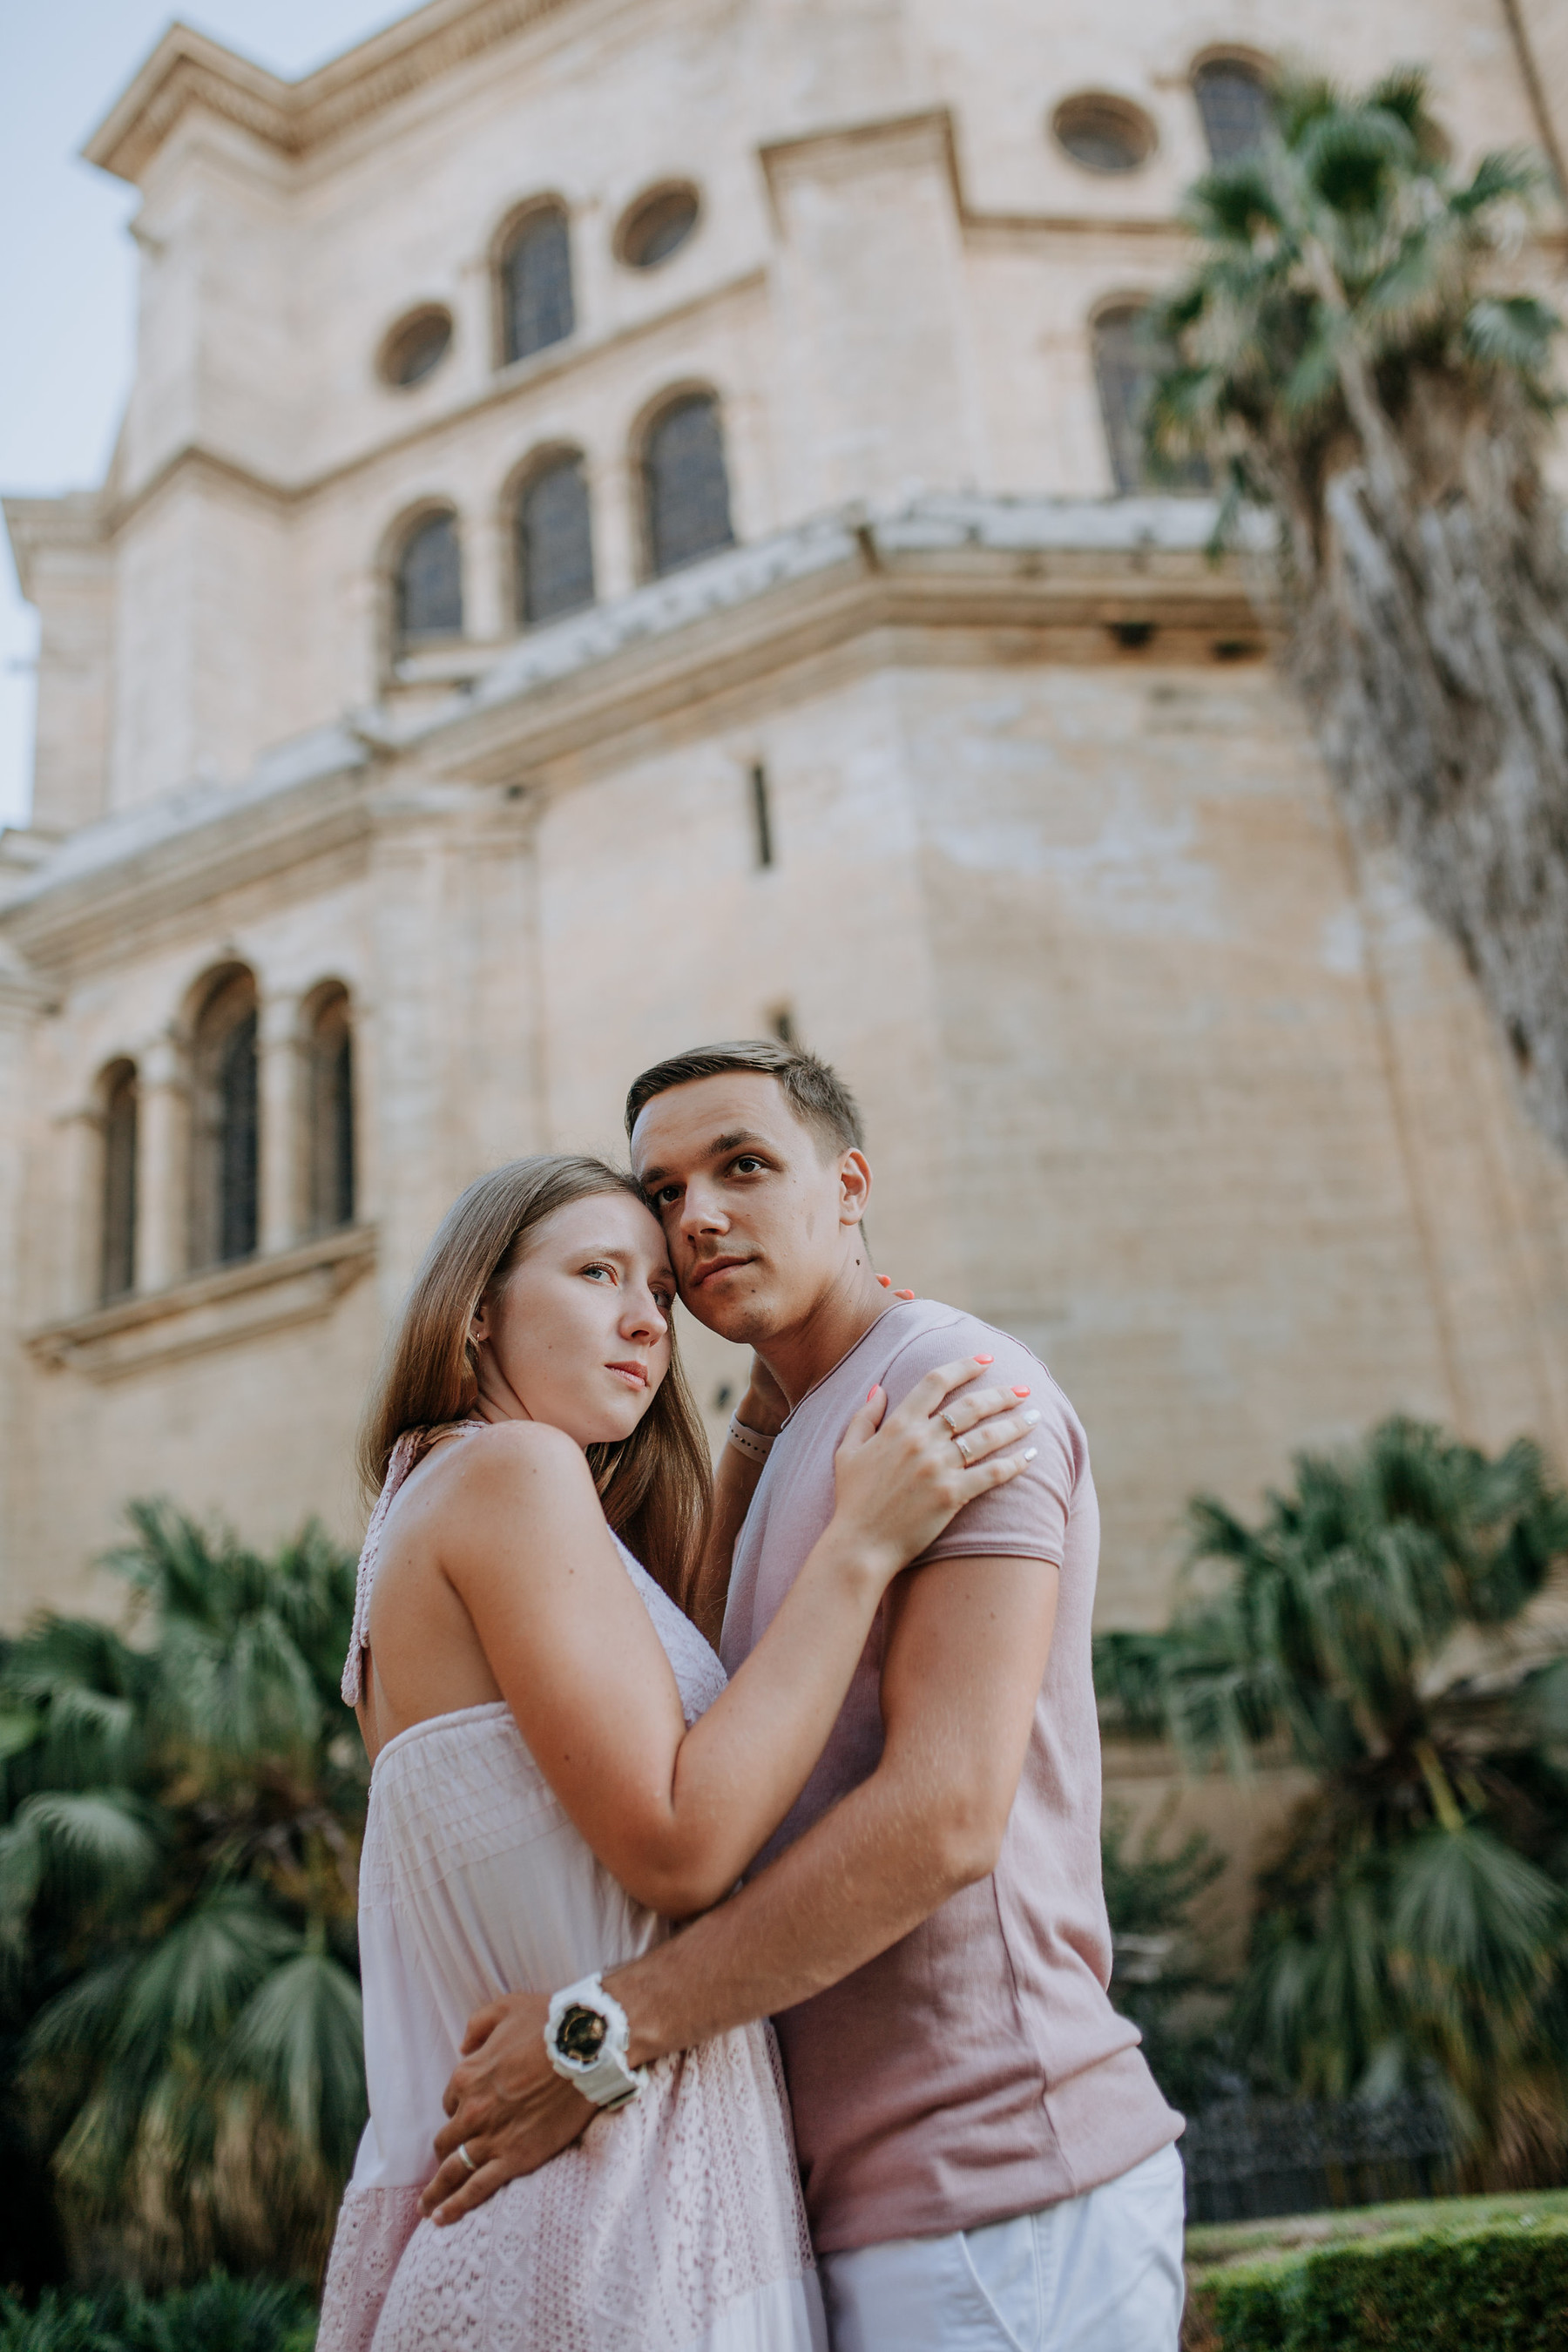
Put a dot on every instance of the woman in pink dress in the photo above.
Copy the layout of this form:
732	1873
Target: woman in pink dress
559	1770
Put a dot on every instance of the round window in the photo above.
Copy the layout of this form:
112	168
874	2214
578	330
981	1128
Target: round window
655	225
416	346
1103	133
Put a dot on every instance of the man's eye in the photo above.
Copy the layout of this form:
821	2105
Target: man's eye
746	1165
665	1196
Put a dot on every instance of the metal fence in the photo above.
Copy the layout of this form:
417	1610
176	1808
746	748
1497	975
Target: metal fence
1251	2158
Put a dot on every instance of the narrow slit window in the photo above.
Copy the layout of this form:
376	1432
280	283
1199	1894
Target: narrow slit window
332	1140
116	1262
761	815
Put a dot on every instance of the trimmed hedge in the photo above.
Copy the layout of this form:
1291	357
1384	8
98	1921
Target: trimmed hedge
222	2314
1499	2287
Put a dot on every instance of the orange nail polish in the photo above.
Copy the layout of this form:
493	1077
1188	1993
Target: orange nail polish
886	1280
986	1359
903	1294
1020	1393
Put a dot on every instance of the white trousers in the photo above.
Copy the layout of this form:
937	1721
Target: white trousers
1100	2272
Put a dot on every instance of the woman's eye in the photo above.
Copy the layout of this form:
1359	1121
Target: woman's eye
604	1270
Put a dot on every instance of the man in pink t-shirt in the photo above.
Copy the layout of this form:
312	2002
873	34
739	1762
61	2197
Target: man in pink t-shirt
985	2157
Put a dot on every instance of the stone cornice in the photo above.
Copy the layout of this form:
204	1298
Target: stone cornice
187	68
74	520
1044	579
228	1305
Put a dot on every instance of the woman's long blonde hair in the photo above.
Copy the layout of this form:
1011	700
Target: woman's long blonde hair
657	1485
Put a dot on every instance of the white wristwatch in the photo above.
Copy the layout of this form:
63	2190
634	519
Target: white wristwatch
587	2035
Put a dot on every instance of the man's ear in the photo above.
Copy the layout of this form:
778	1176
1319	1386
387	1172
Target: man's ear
854	1187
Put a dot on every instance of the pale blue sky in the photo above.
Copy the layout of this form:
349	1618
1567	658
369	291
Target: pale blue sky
66	268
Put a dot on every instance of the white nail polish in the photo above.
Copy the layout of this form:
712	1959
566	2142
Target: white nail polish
1030	1418
1029	1453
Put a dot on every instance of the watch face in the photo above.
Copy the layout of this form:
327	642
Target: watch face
580	2034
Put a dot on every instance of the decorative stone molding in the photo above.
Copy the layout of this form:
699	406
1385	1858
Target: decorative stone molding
188	69
218	1309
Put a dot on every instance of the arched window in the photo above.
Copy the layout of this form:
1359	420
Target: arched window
536	306
331	1110
1233	99
224	1125
429	583
686	492
117	1250
555	541
1122	373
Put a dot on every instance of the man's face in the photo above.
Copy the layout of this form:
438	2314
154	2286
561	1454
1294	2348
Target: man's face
756	1213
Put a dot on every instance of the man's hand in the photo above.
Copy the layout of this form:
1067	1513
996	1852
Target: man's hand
508	2105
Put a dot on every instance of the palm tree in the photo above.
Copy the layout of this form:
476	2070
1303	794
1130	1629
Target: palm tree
1346	351
177	1897
1377	1630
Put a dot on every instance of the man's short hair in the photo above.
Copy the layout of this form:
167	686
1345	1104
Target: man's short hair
816	1094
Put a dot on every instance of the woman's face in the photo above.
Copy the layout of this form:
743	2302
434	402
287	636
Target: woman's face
578	1334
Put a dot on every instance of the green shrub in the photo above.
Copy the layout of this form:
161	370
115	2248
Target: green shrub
1500	2288
221	2314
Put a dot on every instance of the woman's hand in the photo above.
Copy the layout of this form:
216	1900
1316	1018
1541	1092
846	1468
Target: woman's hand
901	1476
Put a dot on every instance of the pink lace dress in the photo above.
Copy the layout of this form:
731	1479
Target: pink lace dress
675	2224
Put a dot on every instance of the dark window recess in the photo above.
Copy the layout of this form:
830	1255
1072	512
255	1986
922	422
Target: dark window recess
430	584
237	1140
685	485
762	816
1124	364
1233	101
654	229
416	348
536	287
332	1119
225	1133
1103	133
117	1269
554	543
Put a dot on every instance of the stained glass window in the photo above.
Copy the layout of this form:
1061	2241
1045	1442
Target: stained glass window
1234	103
430	583
225	1129
555	542
536	286
685	485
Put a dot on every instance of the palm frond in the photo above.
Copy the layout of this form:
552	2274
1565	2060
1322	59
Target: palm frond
301	2040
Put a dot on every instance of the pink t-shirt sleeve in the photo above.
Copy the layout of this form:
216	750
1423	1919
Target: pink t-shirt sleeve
1028	1518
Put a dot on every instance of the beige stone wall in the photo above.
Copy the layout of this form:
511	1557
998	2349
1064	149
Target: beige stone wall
1159	1072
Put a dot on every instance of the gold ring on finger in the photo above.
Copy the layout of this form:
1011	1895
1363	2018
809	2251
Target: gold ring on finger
468	2159
963	1450
946	1416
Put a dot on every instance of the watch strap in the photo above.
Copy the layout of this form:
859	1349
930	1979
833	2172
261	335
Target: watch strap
607	2079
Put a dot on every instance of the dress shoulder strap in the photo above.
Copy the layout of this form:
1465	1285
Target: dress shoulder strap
406	1455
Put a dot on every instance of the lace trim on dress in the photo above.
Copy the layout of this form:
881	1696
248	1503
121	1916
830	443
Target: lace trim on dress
374	2226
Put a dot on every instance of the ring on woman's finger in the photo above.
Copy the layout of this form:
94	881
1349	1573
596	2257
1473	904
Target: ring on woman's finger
962	1446
468	2159
946	1416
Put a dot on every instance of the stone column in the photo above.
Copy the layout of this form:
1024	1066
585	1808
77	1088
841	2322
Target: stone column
81	1155
281	1109
162	1171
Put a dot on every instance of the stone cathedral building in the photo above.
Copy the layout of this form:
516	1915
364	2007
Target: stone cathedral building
627	527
